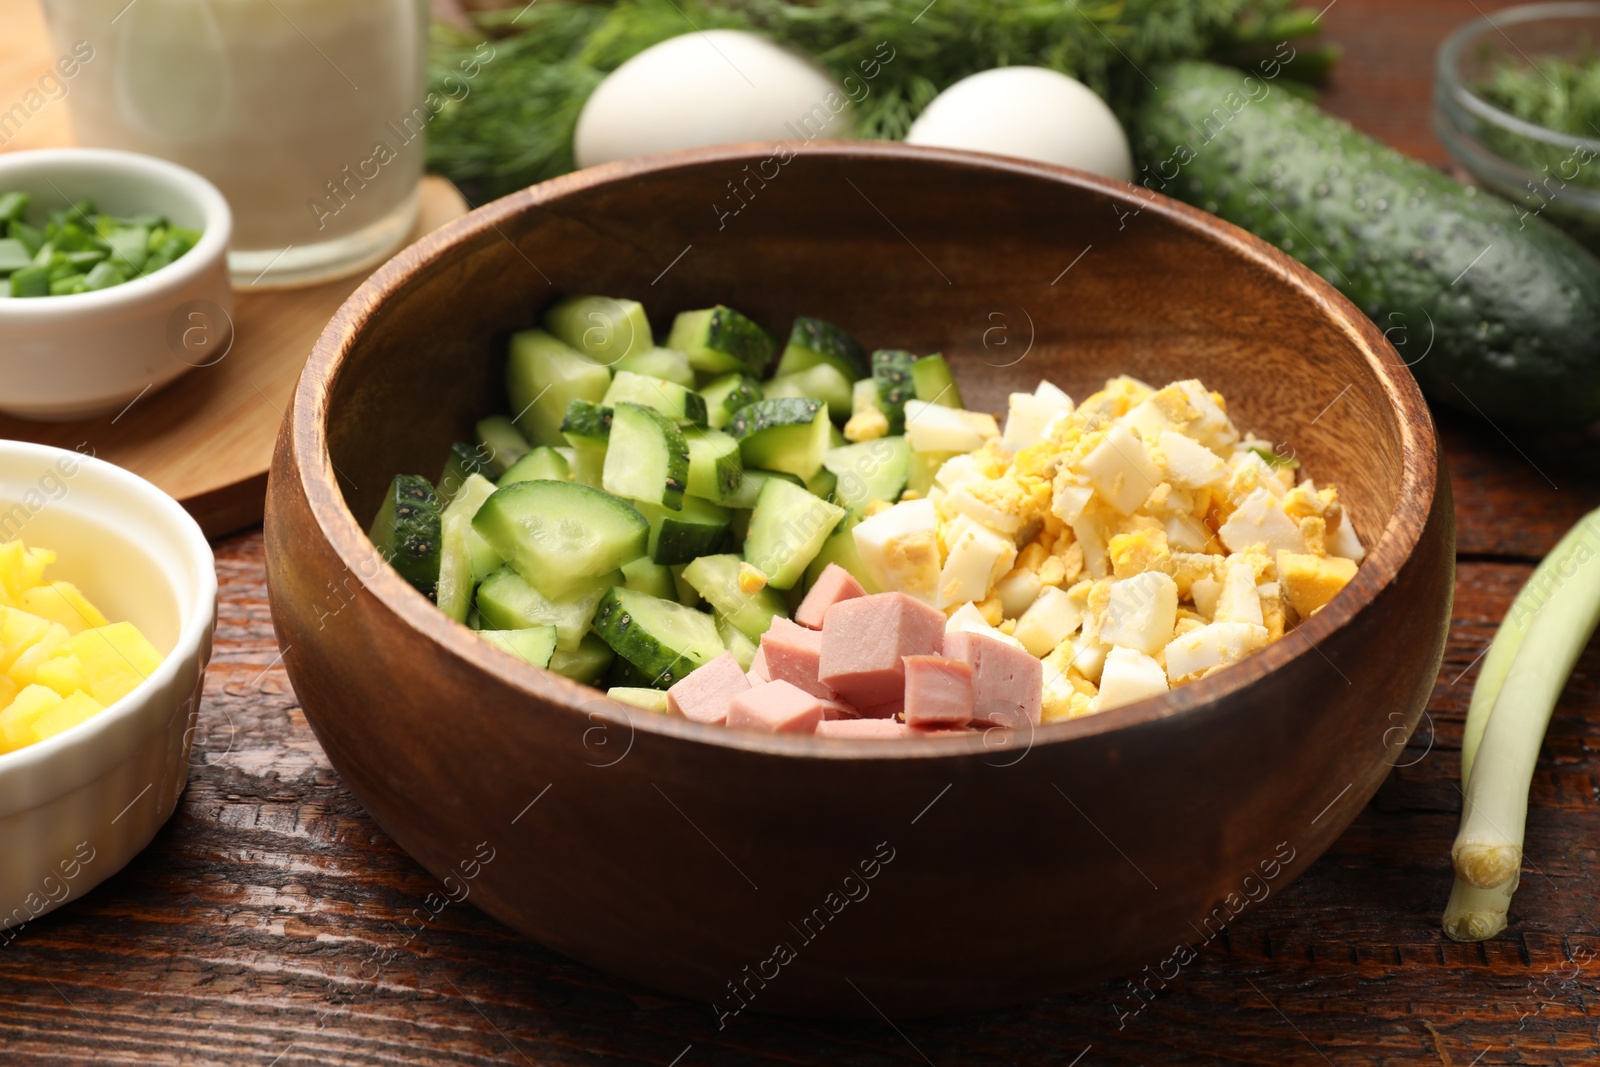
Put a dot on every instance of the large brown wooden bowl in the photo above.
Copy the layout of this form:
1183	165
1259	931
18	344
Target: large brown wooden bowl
718	864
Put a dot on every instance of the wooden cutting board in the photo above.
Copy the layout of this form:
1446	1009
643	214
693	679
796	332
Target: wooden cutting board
207	438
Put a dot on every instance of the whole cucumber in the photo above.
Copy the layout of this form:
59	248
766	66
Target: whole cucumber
1493	312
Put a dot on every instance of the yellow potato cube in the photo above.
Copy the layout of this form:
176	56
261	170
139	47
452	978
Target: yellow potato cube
51	643
62	602
8	692
1308	582
63	673
22	568
65	715
19	631
116	658
17	720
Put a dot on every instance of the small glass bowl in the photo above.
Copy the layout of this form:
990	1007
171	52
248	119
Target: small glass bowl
1553	175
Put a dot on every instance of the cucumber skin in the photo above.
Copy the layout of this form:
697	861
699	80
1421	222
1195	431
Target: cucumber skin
408	531
615	625
1512	335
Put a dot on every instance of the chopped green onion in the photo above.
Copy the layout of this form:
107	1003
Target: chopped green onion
77	250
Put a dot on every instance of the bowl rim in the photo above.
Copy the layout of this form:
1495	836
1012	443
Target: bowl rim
1451	85
197	615
311	463
181	273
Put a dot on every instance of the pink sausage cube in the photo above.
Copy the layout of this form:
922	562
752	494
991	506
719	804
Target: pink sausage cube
863	642
938	691
758	672
791	654
777	708
703	695
1006	681
832	585
862	728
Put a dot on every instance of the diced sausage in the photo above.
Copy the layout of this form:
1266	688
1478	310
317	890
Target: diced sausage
1007	682
863	642
792	654
938	691
862	728
776	707
703	695
832	585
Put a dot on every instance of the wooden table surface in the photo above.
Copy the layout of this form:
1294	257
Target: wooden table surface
247	933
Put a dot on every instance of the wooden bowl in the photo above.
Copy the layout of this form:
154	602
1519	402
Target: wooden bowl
791	874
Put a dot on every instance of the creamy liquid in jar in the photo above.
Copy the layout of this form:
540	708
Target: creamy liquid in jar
307	114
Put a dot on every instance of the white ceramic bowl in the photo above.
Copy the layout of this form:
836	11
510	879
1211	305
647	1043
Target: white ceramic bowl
88	354
76	807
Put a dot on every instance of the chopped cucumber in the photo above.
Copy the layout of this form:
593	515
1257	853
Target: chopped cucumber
552	531
716	578
715	469
891	372
407	531
464	459
535	644
648	459
697	527
454	593
744	498
543	376
787	434
672	400
587	429
742	647
648	576
932	381
663	363
624	675
726	395
586	663
720	339
923	467
840	548
686	592
603	328
864	397
822	381
813	342
503	442
648	699
542	464
869	470
822	483
787	530
508	601
663	639
474	491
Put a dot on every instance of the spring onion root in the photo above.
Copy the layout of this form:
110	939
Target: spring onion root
1561	614
1475	914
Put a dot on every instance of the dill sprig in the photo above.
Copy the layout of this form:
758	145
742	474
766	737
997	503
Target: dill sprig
514	127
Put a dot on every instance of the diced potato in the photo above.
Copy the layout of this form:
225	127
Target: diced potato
65	715
116	658
50	644
19	631
62	602
17	720
64	674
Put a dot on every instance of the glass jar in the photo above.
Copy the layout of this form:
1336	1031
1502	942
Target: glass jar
307	114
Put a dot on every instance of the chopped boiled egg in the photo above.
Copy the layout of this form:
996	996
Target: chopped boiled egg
1260	520
1213	645
935	428
1120	470
969	619
1051	618
976	556
900	549
1308	582
1030	415
1239	601
1188	463
1128	676
1141	612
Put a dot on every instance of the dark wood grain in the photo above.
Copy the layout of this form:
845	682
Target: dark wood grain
244	935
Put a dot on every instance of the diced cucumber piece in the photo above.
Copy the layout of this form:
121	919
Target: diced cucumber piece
696	528
648	699
536	644
720	339
586	663
543	463
822	483
743	649
715	468
555	531
624	675
407	531
787	434
686	592
864	397
601	327
663	363
726	395
869	470
840	548
716	578
504	443
508	601
474	491
822	381
672	400
932	381
648	576
464	459
456	583
744	498
787	530
923	467
647	459
891	372
587	429
813	342
665	640
543	376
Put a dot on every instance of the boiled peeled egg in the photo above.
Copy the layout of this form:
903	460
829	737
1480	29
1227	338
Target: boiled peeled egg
1028	112
706	88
